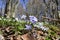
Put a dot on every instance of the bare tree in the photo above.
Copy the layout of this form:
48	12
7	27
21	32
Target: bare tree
10	7
34	7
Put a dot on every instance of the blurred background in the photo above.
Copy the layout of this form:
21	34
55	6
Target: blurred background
49	9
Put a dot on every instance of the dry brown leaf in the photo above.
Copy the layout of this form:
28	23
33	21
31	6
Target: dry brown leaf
27	37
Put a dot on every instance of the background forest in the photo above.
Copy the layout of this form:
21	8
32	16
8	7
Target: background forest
38	8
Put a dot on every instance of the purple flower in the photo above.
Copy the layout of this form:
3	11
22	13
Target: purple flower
28	27
33	19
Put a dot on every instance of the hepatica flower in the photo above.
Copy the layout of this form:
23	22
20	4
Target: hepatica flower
44	28
33	19
40	26
28	27
23	17
16	19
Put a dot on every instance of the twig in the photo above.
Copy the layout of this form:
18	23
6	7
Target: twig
51	19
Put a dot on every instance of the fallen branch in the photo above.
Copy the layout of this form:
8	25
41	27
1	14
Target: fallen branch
50	19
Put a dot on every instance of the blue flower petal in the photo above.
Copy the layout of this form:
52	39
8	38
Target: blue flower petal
28	27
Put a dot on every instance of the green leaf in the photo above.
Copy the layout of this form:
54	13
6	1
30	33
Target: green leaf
47	38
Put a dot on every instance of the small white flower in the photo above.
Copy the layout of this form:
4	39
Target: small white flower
44	28
16	19
40	26
23	17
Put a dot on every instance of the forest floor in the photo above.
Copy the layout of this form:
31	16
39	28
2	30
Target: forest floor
10	29
34	34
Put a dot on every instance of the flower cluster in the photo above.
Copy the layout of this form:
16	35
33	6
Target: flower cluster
40	26
44	28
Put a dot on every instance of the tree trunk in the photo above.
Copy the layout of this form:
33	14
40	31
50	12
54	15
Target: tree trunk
6	8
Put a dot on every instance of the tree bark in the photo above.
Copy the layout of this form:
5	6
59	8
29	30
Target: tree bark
6	8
